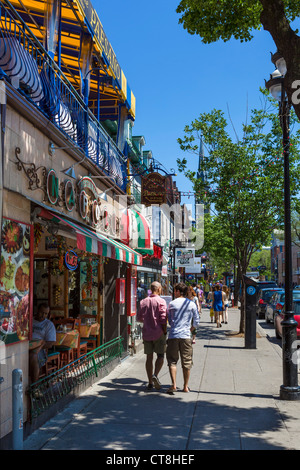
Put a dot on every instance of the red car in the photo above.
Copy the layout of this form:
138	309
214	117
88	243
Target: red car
280	315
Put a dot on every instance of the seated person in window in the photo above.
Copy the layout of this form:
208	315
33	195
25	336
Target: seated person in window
44	330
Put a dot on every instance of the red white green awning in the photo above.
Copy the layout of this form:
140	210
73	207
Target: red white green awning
97	243
135	231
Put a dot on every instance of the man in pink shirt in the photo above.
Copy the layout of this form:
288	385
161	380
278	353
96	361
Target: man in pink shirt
153	315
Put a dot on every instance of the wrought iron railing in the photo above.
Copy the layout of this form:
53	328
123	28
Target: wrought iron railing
50	389
31	70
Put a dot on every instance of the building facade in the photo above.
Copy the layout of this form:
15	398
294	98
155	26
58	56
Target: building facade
66	114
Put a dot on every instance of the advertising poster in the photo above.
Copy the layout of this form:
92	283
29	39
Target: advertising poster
184	258
14	282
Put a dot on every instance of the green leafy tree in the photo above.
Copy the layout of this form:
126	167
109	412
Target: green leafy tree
244	179
262	258
219	247
213	20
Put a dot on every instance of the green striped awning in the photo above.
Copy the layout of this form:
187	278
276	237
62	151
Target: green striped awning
136	232
97	243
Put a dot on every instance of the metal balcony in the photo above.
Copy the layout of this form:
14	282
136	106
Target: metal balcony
30	69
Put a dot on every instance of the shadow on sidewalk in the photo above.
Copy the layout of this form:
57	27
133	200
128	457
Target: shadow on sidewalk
124	416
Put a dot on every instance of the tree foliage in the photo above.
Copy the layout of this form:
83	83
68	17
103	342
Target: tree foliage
215	20
244	179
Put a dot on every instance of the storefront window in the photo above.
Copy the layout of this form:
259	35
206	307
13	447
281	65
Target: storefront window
14	282
88	287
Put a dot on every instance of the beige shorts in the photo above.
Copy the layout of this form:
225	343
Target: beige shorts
158	346
180	347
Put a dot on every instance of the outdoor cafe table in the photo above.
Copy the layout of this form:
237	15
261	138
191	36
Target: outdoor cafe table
67	338
89	330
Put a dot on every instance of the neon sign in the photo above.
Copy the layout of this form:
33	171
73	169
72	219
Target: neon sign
71	260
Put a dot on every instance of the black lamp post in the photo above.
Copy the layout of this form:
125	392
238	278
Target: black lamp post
290	389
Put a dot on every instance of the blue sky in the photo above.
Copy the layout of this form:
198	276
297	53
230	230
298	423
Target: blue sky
175	77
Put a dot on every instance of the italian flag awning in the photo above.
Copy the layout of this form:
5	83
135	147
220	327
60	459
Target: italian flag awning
97	243
135	231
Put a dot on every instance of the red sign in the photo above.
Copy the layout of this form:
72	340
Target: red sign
71	260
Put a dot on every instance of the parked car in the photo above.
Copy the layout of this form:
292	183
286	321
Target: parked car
280	315
275	304
266	285
263	298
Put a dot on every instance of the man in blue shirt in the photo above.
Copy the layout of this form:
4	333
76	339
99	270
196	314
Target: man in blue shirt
43	330
182	314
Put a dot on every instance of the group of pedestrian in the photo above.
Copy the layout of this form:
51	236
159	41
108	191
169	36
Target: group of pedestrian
218	299
183	317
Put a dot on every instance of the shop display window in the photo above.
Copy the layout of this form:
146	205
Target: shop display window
88	287
49	285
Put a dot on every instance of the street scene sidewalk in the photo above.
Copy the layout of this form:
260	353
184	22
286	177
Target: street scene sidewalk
233	403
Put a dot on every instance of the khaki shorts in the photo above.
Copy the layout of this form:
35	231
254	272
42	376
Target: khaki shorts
182	347
158	346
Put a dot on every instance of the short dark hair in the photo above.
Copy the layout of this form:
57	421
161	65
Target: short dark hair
182	288
43	305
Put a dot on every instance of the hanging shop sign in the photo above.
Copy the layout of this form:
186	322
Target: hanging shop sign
153	190
71	260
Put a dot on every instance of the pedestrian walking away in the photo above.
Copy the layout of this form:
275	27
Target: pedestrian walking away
181	313
193	296
226	291
206	291
218	304
200	297
153	315
210	304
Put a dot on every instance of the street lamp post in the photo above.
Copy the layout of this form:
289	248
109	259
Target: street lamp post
289	390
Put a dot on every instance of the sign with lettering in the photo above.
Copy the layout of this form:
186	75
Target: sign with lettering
82	197
71	260
184	257
99	36
52	187
153	189
69	195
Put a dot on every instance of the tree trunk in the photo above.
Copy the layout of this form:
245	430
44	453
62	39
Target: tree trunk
287	42
242	318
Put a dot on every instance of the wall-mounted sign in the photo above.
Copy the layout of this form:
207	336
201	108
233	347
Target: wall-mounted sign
82	197
69	195
153	190
71	260
120	291
52	187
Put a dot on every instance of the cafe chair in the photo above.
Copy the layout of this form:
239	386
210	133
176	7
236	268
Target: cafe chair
66	355
91	340
82	347
52	363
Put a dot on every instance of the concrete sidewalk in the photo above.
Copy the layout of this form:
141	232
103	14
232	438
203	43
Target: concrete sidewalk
233	403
